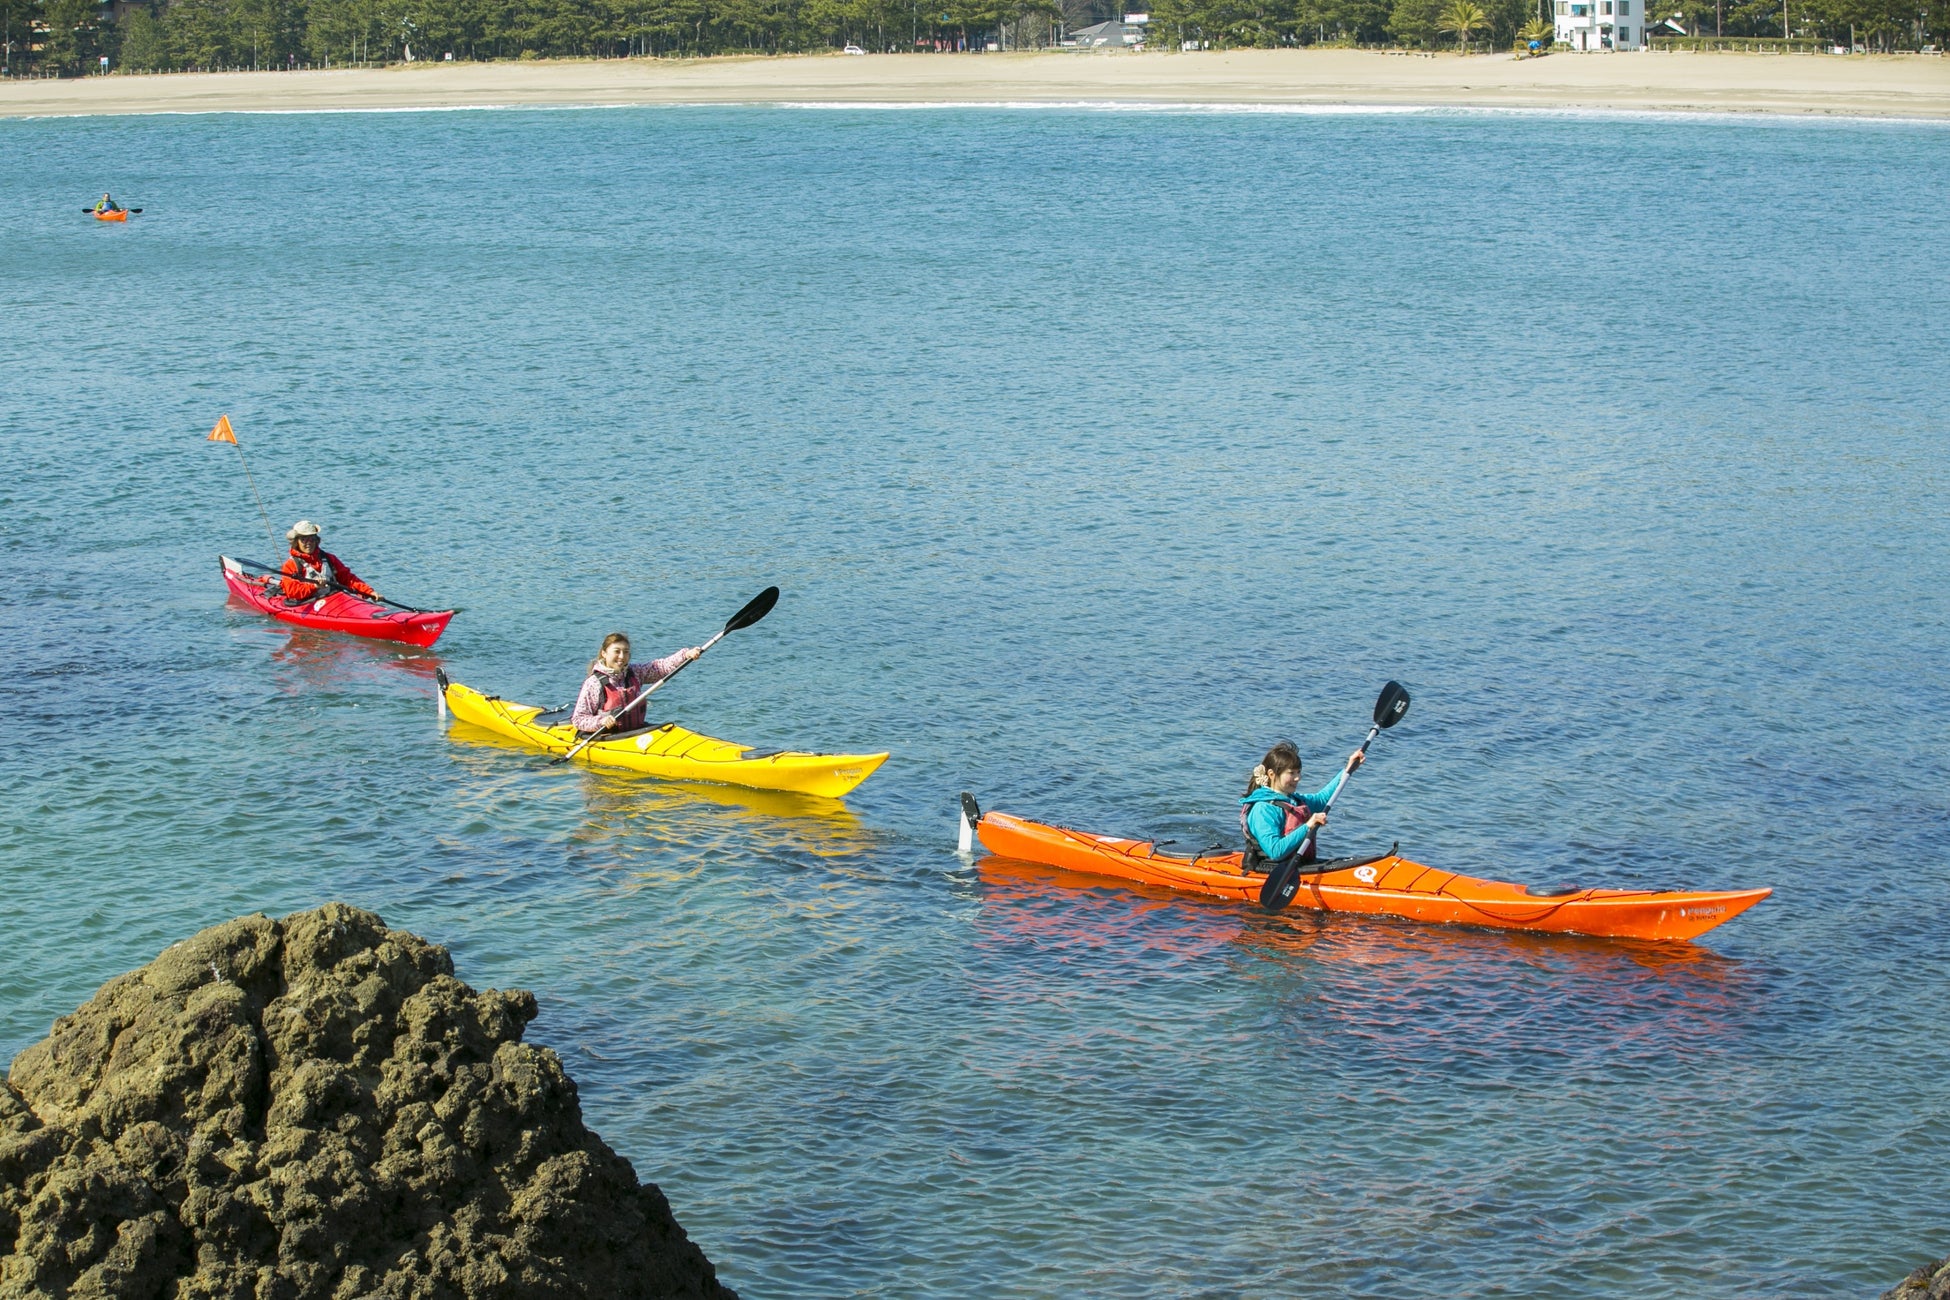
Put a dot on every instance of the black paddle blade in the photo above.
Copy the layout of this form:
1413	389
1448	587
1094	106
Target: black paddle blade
1282	883
760	606
970	809
1388	709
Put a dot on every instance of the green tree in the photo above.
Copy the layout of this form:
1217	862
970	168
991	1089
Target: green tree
1463	17
73	35
1880	24
1507	17
16	33
257	27
1416	22
342	31
145	43
1359	22
202	33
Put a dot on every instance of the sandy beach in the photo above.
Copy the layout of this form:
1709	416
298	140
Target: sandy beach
1913	86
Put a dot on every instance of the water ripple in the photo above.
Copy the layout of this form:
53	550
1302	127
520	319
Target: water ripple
1093	451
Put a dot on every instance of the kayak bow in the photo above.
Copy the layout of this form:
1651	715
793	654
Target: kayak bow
341	611
1385	884
666	750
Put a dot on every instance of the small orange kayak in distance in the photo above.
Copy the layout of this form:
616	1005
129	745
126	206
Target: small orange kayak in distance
120	214
1385	884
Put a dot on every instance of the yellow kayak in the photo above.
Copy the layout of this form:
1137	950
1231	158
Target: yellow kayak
667	750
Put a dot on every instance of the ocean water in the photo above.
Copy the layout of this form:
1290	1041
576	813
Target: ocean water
1093	451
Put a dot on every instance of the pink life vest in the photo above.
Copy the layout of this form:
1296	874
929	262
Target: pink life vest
616	695
1296	817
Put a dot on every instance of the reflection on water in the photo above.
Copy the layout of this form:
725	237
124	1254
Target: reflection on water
315	660
1456	987
664	829
1642	620
1074	913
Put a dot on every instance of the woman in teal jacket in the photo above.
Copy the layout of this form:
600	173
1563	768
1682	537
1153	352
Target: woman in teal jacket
1275	819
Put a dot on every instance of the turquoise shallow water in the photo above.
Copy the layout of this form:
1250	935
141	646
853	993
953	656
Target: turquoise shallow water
1093	451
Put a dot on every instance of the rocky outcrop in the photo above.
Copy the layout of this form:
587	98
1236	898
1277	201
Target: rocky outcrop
316	1107
1930	1282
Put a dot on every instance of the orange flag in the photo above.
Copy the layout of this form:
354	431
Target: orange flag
224	433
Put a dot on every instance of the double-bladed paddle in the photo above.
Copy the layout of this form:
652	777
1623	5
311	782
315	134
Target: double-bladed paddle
325	587
92	211
758	607
1283	881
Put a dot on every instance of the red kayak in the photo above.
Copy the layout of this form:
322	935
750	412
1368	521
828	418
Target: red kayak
340	611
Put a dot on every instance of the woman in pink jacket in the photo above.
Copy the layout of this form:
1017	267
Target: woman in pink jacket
614	681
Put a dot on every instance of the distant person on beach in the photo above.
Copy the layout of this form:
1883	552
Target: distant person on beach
1276	820
313	571
108	205
614	681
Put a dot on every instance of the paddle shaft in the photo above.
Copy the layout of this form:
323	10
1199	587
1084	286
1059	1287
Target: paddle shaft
1307	844
1281	881
641	696
326	587
755	609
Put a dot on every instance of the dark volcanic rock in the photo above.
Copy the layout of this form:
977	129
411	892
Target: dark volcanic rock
316	1107
1930	1282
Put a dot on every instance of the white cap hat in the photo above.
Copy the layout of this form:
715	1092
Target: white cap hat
303	528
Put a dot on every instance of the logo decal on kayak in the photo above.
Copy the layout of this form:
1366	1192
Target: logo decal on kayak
1701	911
1364	874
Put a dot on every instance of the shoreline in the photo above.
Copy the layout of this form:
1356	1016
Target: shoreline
1897	87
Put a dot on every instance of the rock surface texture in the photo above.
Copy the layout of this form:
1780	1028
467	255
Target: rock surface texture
316	1107
1930	1282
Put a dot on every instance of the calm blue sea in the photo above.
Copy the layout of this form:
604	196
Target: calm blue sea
1094	451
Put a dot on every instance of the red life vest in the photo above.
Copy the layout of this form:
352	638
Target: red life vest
304	573
1295	817
619	691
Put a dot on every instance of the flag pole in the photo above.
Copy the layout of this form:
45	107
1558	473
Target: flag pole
224	433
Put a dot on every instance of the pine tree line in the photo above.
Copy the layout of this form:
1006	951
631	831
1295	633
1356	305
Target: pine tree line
1498	24
71	36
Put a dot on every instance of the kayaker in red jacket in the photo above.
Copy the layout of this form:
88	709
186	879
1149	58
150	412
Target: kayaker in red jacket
311	566
614	681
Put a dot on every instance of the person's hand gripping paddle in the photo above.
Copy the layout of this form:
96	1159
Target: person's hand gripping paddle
759	606
1283	879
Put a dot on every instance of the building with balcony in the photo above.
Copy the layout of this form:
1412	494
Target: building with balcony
1601	24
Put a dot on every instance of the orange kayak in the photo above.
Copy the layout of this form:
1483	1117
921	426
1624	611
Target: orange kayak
1384	885
120	214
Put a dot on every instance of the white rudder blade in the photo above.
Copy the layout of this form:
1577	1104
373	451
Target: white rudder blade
970	815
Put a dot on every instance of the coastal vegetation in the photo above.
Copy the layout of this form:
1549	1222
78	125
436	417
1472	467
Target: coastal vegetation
71	37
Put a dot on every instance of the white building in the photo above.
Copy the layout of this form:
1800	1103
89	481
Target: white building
1601	24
